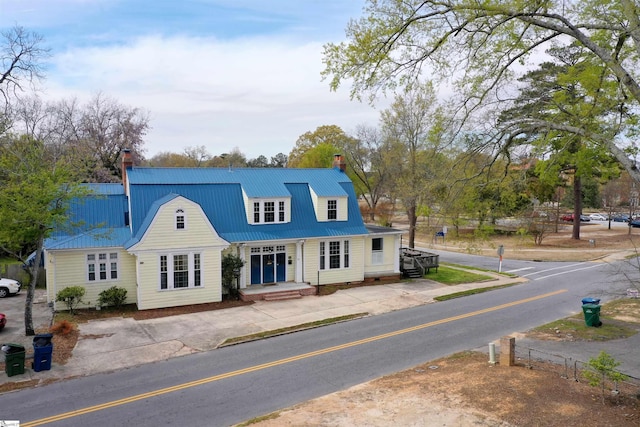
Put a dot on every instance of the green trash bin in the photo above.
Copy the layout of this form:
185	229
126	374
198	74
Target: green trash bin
592	314
13	359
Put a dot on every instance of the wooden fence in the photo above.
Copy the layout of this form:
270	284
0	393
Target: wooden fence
16	272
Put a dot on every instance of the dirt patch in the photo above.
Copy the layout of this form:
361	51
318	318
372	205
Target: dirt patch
465	390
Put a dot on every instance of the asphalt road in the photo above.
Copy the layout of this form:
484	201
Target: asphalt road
232	384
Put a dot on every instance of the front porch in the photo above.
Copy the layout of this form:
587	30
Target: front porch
276	291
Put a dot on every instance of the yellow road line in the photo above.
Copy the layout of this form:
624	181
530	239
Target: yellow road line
202	381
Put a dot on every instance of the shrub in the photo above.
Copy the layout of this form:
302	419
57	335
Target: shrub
63	327
71	296
114	296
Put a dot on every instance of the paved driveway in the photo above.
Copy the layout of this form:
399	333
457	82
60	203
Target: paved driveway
13	308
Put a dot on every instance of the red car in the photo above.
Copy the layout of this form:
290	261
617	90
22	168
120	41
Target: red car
3	321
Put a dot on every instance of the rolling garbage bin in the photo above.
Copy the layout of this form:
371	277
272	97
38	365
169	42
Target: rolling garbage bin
595	301
13	359
592	314
42	352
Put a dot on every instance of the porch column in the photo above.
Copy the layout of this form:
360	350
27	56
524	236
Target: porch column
299	277
243	276
396	254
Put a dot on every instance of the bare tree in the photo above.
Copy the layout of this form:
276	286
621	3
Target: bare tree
21	53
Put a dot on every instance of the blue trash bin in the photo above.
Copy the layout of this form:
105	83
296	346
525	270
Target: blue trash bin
42	352
589	300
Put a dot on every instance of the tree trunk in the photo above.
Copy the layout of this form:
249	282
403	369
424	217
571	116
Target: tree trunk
413	219
577	206
28	304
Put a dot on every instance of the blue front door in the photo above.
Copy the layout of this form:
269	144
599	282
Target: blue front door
256	278
281	267
268	268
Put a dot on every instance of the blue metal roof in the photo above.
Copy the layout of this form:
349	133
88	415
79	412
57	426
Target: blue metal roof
256	182
97	220
219	192
103	237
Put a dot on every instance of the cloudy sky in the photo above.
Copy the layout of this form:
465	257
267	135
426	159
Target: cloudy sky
217	73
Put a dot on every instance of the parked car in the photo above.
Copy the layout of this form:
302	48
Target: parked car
634	223
3	321
569	217
597	217
621	218
9	287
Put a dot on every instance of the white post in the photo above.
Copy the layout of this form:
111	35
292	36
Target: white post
492	353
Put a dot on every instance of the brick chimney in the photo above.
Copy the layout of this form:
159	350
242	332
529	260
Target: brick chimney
339	163
127	163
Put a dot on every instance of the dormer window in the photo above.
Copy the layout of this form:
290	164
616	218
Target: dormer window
332	210
180	220
270	212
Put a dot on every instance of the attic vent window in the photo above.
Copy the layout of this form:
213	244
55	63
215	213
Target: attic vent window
180	220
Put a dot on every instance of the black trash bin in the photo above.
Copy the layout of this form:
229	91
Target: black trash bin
13	359
42	352
590	300
592	315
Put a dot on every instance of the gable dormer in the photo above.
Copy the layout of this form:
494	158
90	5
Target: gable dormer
267	207
330	207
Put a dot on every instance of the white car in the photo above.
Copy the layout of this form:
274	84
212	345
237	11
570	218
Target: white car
597	217
9	287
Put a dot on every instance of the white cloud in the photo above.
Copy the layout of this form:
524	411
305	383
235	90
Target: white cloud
258	94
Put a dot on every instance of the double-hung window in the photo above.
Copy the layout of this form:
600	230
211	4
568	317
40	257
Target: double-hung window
334	254
102	266
332	210
182	270
269	212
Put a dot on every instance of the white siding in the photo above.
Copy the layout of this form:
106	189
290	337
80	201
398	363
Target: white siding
389	263
69	268
162	233
163	239
355	273
151	296
320	204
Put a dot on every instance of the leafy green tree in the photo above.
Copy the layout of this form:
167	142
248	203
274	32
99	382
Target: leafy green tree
576	92
477	48
327	136
318	156
409	128
35	191
602	368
